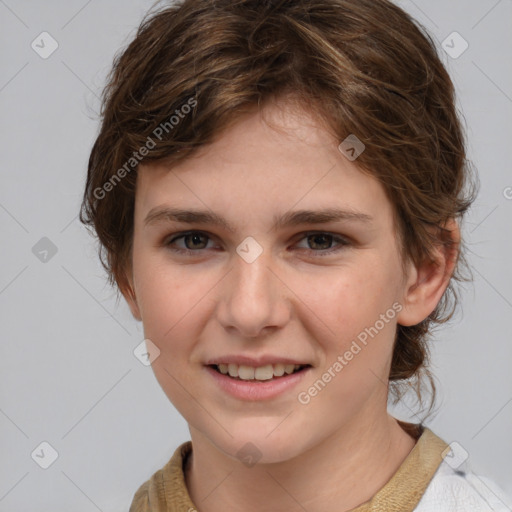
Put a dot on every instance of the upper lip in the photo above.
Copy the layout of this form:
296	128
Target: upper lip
254	361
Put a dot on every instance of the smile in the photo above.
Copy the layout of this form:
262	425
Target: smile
261	373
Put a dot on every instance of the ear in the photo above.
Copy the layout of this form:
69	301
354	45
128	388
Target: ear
426	283
128	291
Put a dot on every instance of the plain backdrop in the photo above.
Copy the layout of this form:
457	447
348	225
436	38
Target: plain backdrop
69	376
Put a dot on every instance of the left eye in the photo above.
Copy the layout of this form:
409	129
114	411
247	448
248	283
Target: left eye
322	242
319	242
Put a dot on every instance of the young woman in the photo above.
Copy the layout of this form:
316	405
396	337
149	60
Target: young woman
277	187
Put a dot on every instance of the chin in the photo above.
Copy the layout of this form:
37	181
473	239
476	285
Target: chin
262	444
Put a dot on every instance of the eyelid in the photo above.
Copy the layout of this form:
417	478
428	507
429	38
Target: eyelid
335	236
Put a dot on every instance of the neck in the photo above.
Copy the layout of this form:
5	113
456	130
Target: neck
342	472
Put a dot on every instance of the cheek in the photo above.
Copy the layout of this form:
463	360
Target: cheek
350	299
356	313
173	315
355	324
170	298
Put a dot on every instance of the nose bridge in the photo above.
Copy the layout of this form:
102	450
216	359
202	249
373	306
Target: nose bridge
252	296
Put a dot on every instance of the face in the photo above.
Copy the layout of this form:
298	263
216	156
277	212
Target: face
269	283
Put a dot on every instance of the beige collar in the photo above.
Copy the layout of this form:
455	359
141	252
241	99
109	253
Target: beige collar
406	487
166	490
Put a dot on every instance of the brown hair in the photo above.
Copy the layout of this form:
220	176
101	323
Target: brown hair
363	66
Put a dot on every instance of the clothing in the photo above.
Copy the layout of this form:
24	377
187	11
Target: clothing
461	490
424	482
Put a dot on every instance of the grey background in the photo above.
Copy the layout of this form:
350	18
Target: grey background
68	372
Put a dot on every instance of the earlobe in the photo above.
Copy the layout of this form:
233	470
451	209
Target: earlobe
427	283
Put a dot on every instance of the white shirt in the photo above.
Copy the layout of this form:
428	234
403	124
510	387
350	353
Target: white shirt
456	488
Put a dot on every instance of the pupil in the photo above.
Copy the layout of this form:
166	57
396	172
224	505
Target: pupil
195	238
325	237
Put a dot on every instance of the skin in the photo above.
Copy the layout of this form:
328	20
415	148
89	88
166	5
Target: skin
337	451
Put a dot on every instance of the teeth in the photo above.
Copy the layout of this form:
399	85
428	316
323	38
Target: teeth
266	372
233	370
288	368
279	370
246	372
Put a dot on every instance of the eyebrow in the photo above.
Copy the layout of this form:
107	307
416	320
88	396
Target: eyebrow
162	214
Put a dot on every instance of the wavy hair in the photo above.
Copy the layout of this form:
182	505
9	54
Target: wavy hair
365	67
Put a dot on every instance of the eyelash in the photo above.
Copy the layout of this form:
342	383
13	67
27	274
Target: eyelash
343	242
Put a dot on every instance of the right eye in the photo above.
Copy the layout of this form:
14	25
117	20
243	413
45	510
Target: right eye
194	242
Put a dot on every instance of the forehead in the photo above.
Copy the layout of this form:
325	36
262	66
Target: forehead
268	161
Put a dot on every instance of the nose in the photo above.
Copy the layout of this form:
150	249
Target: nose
254	300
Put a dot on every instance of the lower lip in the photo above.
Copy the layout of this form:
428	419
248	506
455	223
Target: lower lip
257	390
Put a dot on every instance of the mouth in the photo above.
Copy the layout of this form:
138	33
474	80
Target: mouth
260	373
